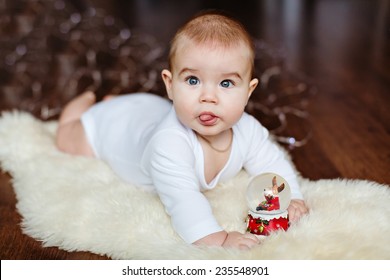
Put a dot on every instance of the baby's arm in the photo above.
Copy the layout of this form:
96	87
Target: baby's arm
265	156
171	164
229	240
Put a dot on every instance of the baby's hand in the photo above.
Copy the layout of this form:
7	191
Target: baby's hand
296	209
241	241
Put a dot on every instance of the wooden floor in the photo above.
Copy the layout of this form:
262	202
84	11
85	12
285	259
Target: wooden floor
341	47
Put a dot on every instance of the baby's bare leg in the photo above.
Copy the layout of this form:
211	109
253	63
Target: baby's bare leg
71	137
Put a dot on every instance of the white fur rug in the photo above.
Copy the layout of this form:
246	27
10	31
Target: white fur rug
77	203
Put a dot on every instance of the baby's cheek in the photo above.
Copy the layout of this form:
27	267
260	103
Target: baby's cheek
233	115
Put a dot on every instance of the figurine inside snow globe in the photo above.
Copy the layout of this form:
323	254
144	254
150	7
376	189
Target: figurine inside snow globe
268	196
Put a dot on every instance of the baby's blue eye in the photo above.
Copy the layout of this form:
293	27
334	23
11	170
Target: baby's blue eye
226	83
192	81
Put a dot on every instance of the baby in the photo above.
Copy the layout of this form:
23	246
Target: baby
183	147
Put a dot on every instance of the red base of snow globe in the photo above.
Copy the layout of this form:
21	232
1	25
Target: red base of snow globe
264	224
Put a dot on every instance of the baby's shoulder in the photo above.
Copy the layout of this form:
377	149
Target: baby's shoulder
171	132
170	146
169	137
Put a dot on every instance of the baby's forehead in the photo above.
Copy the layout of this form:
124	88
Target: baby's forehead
211	44
187	47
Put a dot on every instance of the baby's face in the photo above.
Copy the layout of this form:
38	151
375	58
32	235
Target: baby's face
209	86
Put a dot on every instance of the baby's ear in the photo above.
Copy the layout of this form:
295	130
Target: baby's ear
252	85
167	78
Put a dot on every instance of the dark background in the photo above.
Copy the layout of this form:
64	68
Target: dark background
332	81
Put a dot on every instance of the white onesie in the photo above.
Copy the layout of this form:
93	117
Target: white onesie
143	141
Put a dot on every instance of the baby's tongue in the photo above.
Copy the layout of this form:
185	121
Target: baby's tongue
206	117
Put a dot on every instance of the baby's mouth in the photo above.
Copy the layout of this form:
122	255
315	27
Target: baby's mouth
208	118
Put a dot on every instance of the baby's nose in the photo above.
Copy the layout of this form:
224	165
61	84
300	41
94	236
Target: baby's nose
208	95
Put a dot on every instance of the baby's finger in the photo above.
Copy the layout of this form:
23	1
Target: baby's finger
247	244
243	247
292	216
251	237
295	214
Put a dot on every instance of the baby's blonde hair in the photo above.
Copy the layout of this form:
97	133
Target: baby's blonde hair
215	29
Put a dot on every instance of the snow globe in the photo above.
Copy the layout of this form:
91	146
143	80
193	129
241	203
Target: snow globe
268	196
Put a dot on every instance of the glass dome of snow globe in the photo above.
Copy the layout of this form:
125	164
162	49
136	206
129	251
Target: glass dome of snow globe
268	193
